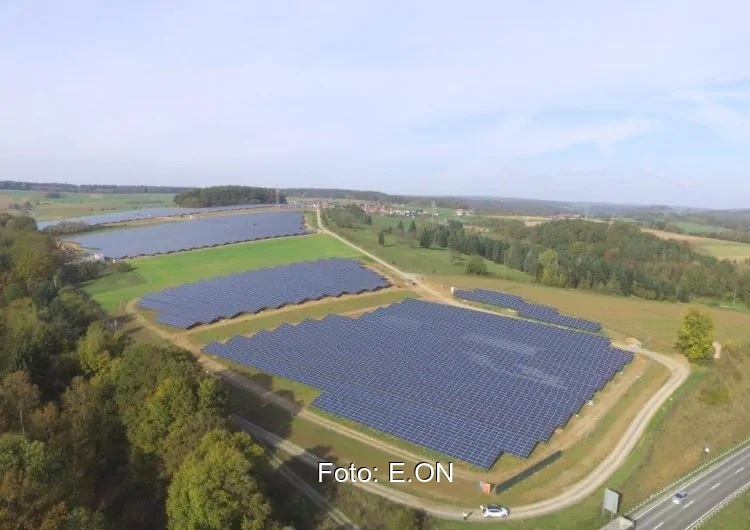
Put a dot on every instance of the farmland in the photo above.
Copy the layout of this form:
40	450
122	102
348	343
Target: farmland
715	247
158	272
587	438
80	204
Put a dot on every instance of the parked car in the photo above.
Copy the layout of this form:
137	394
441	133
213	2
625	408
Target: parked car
492	510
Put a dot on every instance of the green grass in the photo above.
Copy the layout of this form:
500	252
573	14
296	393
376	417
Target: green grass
698	229
412	258
316	311
81	204
735	516
158	272
726	249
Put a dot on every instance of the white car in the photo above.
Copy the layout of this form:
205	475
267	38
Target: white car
492	510
679	497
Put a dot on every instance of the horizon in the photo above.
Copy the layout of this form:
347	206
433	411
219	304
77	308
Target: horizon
504	101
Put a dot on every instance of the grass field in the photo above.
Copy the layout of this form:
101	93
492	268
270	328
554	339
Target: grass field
81	204
415	259
699	229
158	272
655	324
314	310
733	517
715	247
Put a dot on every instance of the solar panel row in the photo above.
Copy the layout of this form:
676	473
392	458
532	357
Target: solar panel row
525	309
468	384
253	291
146	213
192	234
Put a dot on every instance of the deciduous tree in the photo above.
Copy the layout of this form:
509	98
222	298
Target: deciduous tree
695	336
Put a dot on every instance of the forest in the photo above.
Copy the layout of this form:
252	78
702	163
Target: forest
227	196
611	257
100	433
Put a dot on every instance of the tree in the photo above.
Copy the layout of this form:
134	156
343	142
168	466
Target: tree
425	238
18	398
214	488
476	266
381	238
400	227
412	227
695	336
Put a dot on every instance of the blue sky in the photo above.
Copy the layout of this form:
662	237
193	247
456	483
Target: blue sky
640	101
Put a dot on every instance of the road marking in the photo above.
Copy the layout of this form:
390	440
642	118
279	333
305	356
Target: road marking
715	486
740	470
659	525
688	504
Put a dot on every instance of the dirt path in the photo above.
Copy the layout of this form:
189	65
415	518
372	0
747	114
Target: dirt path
679	369
572	495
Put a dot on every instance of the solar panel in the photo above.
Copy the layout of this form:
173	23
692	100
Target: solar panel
253	291
191	234
464	383
526	309
146	213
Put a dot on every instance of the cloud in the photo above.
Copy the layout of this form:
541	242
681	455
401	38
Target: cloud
365	90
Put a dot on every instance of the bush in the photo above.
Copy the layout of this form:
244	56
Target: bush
476	266
715	393
123	266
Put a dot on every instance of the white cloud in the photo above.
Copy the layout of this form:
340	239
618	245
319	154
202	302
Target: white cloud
345	85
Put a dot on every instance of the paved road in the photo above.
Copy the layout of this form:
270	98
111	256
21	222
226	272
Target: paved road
705	493
599	475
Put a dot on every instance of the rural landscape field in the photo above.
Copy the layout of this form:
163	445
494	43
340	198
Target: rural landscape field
369	266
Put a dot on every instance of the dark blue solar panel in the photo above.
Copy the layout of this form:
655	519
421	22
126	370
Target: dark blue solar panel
527	310
253	291
146	213
191	234
468	384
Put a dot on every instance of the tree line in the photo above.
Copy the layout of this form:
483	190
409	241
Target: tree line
227	196
612	257
86	188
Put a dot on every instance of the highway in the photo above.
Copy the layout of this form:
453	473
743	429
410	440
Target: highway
705	492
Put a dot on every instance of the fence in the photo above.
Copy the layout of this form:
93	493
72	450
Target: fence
689	475
707	516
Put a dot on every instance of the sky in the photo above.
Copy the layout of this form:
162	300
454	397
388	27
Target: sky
632	102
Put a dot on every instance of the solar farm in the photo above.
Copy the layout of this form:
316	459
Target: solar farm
147	213
191	234
463	383
254	291
525	309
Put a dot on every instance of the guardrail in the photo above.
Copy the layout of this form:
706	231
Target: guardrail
685	477
707	516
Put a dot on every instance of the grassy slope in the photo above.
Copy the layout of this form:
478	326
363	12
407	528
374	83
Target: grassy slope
733	517
415	259
154	273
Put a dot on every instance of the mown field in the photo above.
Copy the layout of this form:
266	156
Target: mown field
709	408
715	247
158	272
81	204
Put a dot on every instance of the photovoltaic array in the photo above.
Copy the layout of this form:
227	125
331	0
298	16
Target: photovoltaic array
253	291
191	234
527	310
146	213
464	383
